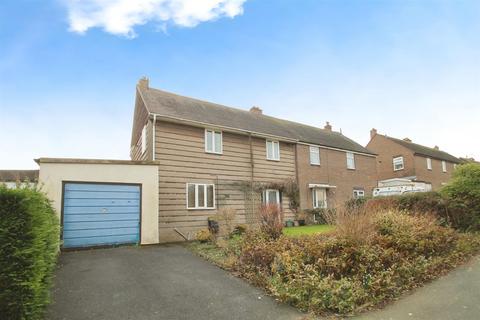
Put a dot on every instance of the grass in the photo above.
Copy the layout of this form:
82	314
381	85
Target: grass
306	230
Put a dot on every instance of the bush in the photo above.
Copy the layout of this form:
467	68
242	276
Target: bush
239	230
271	220
29	243
463	192
227	217
334	273
204	235
321	215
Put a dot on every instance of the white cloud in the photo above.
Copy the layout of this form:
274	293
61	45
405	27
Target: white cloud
119	17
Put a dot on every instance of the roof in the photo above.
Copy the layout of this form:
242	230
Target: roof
18	175
171	105
93	161
426	151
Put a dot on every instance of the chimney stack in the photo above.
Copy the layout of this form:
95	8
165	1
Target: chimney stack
407	139
436	148
373	133
256	110
328	127
143	82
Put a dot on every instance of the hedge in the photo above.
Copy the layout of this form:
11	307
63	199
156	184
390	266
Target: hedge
29	245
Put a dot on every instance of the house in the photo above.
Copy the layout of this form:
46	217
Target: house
12	178
211	157
401	158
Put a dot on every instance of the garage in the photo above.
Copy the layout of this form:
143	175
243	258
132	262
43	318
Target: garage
102	202
96	214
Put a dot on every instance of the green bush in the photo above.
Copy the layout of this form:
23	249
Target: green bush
330	273
29	243
463	193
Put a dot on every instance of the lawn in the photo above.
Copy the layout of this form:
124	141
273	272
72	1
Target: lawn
306	230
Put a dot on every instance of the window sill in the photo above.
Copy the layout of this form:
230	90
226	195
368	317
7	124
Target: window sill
315	164
276	160
352	169
211	152
192	209
394	170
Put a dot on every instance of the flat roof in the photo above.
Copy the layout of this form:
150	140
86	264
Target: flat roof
94	161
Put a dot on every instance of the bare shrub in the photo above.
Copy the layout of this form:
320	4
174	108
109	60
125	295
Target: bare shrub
271	220
355	224
227	217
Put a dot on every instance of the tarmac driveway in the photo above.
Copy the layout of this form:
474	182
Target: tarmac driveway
158	282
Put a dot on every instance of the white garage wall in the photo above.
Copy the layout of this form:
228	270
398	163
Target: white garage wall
54	171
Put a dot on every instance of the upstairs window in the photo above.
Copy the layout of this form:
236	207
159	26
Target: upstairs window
200	196
398	163
213	141
144	139
314	155
444	166
350	160
358	193
429	164
273	150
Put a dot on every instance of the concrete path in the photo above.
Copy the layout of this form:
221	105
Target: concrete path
161	282
453	297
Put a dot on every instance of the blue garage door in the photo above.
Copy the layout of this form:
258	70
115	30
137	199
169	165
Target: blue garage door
100	214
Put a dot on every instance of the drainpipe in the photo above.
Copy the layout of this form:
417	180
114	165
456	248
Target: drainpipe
153	137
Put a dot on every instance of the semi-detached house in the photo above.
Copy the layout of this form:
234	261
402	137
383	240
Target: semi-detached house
209	156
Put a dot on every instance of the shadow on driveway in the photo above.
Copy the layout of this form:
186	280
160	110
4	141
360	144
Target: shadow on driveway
160	282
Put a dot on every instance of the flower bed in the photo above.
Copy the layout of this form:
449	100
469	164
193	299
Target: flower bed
346	271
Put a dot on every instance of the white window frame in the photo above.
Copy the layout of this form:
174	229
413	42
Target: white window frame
315	198
205	186
214	141
350	156
454	166
314	150
429	163
266	196
444	166
358	193
277	148
400	161
143	138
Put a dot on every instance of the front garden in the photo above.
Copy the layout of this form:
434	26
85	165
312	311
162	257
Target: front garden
376	251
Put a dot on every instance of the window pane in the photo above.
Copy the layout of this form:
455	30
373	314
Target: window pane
218	142
277	150
314	155
210	196
201	196
269	150
350	160
209	141
272	196
191	196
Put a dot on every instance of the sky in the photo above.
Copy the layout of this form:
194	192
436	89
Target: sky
68	68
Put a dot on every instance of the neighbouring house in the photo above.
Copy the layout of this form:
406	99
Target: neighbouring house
211	156
401	158
14	178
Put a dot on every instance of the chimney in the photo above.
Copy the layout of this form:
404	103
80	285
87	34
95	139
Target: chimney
143	83
373	133
328	127
256	110
407	139
436	148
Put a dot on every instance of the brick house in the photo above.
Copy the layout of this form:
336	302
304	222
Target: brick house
211	156
401	158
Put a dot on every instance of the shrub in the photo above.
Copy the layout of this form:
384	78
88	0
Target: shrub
336	273
321	215
271	220
204	235
355	224
29	242
227	216
463	192
239	230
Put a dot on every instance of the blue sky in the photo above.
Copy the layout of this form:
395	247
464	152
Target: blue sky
68	72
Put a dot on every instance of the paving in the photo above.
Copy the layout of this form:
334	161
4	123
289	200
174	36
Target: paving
155	282
455	296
